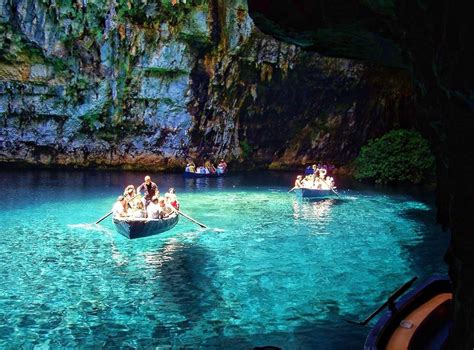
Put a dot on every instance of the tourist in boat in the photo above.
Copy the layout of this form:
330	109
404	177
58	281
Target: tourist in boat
172	198
139	211
212	168
131	196
298	181
330	181
153	210
165	210
120	207
307	181
323	184
150	188
190	167
221	167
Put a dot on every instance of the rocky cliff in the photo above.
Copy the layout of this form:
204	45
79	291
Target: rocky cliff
148	84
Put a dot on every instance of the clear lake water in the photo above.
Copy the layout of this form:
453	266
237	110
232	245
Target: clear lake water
270	270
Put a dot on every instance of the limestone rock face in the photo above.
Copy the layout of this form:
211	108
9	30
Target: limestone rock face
431	40
144	87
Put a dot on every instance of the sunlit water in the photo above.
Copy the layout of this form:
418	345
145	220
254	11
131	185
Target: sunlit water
270	270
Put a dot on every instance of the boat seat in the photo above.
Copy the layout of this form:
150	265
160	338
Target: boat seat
402	337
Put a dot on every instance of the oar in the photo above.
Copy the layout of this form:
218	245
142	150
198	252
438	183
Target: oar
104	217
294	188
189	218
331	188
108	214
390	301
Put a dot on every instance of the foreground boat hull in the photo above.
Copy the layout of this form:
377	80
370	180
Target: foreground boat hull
139	228
421	319
313	193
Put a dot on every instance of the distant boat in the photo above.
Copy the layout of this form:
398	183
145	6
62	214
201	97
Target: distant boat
419	320
138	228
189	175
313	193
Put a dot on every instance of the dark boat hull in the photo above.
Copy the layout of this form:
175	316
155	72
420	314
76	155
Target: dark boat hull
139	228
188	175
426	313
312	193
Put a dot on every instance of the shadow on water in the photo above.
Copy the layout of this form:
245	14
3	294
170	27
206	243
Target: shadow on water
186	276
432	244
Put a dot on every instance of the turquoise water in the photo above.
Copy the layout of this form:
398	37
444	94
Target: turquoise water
271	270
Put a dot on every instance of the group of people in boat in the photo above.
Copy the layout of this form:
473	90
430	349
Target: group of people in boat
132	204
207	168
317	179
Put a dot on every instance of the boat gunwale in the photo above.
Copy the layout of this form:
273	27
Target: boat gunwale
384	327
127	219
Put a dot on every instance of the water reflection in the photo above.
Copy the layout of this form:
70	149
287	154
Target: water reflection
204	183
320	209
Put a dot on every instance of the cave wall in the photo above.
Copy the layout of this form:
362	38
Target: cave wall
145	85
431	40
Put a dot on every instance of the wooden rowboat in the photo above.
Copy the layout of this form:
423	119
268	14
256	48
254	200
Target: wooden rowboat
138	228
419	320
313	193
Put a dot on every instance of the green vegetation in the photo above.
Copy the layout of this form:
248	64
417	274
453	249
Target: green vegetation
13	48
398	156
246	149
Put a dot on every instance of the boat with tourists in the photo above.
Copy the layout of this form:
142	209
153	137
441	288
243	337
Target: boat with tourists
206	170
138	228
135	216
315	185
421	319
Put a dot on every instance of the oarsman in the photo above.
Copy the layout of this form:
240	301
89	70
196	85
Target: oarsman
150	188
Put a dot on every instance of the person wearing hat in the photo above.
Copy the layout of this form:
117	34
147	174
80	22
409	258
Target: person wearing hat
131	196
150	188
120	207
298	183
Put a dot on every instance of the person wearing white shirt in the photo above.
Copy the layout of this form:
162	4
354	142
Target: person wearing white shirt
153	210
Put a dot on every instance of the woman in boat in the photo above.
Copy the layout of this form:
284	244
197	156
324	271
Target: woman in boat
120	207
139	211
172	198
131	196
